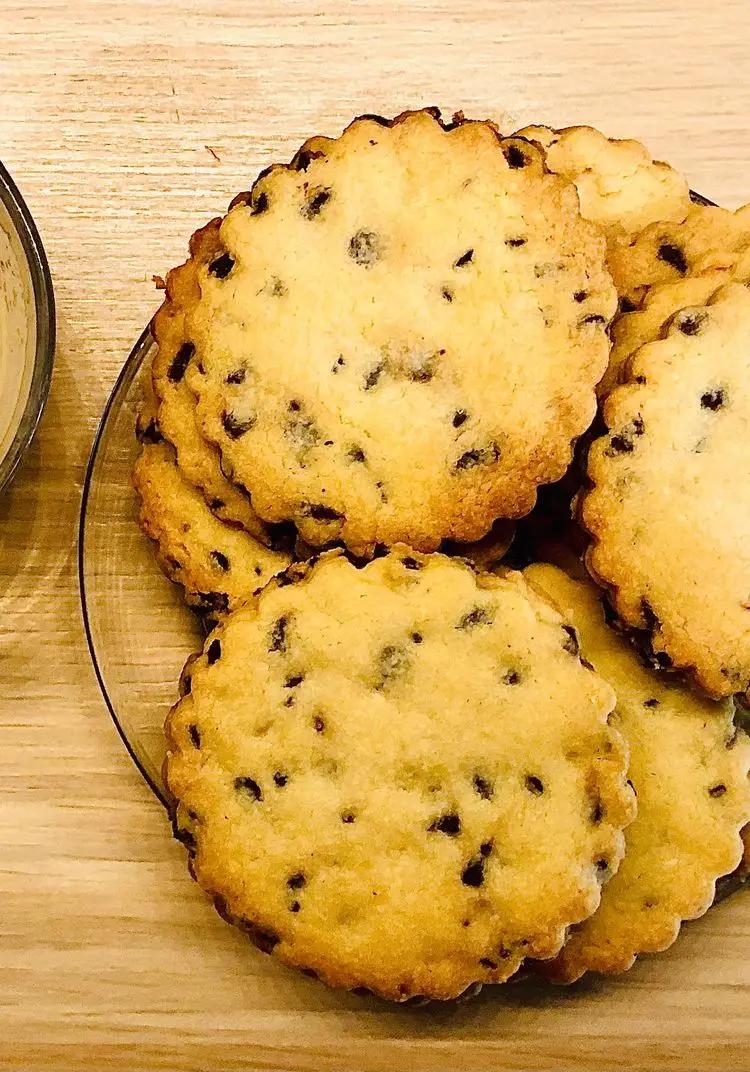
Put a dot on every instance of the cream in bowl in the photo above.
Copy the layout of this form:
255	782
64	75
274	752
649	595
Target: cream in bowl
27	327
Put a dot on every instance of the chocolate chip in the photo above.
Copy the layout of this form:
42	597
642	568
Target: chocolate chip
570	643
293	681
220	559
464	259
447	294
259	204
364	248
319	724
622	443
717	790
374	375
348	817
485	849
195	734
459	417
534	785
580	295
651	703
249	786
238	376
320	512
356	454
296	881
673	256
478	456
476	616
277	640
601	865
691	323
511	678
280	779
473	873
222	265
515	156
713	400
417	638
235	427
340	362
483	787
180	363
410	563
295	906
214	651
449	824
315	203
515	243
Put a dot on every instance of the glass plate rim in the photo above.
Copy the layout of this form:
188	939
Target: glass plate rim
125	377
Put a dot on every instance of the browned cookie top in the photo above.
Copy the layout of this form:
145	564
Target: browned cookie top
401	332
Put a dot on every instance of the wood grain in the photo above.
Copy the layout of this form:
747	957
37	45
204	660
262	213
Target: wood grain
126	126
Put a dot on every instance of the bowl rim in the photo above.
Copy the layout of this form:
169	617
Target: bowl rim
46	324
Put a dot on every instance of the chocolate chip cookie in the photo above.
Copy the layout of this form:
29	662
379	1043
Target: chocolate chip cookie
398	334
669	503
218	565
689	765
399	777
620	186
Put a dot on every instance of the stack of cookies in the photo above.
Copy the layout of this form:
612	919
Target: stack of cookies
424	745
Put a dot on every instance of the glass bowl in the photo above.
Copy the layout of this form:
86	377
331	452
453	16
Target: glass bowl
32	380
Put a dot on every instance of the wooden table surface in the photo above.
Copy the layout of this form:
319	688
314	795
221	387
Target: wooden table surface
126	125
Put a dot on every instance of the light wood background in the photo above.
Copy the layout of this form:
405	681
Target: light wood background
109	955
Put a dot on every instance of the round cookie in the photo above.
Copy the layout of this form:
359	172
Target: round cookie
402	333
218	565
689	766
399	777
620	187
198	460
669	501
708	239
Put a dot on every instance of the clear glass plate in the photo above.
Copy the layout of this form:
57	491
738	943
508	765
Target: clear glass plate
138	628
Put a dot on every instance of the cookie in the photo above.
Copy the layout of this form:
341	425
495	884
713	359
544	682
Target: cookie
670	496
399	777
218	565
708	239
689	765
401	334
621	188
198	460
